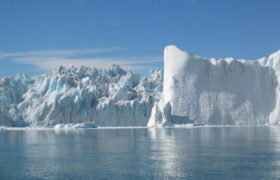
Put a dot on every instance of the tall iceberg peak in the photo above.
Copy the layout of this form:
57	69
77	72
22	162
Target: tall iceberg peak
218	91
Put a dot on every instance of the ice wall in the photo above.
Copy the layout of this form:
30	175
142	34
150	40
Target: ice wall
194	90
218	91
108	97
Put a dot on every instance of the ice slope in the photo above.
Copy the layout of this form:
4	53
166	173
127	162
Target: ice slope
107	97
218	91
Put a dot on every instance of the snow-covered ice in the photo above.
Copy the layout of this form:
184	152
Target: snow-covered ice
107	97
218	91
191	90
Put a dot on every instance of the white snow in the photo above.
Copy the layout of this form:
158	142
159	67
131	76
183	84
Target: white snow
218	91
107	97
195	91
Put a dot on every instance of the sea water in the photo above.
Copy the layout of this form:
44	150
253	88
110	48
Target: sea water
250	152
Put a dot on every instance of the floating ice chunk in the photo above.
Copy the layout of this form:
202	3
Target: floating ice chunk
63	126
78	125
86	125
219	91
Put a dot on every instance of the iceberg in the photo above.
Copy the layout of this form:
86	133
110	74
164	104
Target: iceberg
83	125
106	97
191	90
218	91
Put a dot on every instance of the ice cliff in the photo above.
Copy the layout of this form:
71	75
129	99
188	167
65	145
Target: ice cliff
108	97
192	90
218	91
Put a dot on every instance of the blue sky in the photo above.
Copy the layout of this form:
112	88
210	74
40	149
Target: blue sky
37	35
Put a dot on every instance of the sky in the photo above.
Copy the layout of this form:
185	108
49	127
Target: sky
36	36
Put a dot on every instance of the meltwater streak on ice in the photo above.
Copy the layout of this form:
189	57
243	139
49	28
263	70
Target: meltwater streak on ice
218	91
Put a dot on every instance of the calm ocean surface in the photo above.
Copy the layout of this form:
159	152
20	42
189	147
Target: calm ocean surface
169	153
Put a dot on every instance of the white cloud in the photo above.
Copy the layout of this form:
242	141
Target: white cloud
50	59
48	63
48	53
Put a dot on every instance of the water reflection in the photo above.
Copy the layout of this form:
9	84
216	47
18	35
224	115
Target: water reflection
187	153
218	152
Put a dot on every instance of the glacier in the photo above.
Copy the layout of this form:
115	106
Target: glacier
107	97
217	91
189	90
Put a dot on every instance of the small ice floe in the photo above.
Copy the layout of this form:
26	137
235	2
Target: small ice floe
75	126
183	125
3	128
